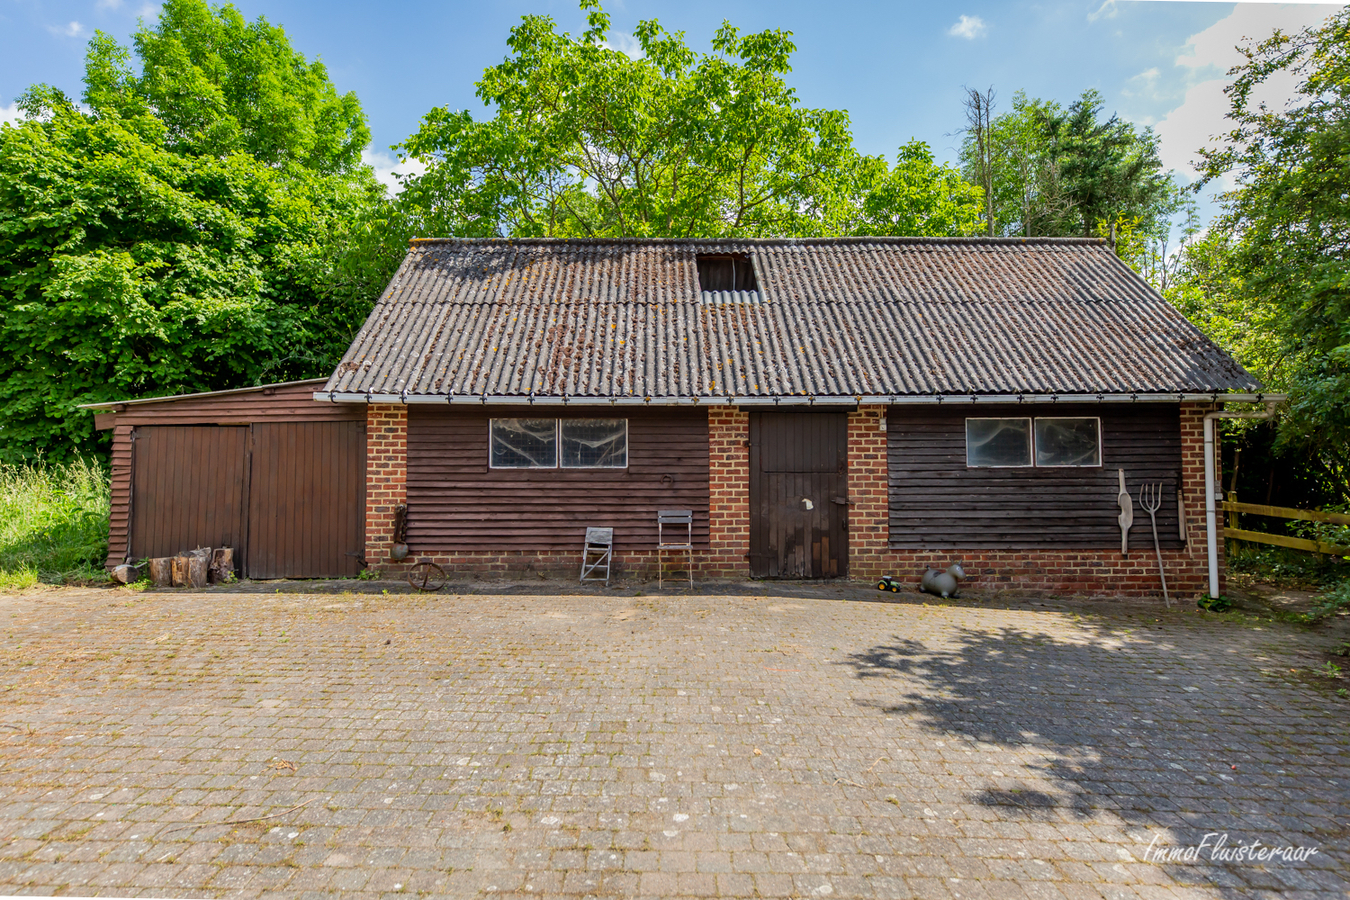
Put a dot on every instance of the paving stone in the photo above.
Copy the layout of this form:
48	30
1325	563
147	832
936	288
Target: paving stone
801	742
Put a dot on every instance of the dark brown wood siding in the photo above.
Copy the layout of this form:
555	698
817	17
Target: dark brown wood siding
119	519
306	514
455	502
288	403
189	488
936	502
798	494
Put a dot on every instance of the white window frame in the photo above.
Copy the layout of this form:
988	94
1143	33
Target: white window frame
1031	439
623	419
1035	445
557	447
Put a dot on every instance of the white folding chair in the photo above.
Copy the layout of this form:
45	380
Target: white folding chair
674	518
598	553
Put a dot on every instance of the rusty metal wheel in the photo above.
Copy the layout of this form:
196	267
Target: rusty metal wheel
427	576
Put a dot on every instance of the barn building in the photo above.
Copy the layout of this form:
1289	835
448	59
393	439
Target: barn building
826	407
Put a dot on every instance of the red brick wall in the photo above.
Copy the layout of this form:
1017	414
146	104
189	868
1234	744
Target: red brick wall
386	477
868	510
1076	571
729	513
1193	487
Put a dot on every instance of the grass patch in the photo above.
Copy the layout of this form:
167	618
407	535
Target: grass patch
18	579
53	523
1284	567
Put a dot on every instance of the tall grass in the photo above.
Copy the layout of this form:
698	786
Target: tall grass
53	523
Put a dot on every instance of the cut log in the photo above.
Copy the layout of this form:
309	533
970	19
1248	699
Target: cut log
179	566
222	566
126	574
195	570
161	571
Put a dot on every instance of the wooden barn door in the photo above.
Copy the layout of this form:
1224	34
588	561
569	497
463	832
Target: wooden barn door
189	488
307	506
798	495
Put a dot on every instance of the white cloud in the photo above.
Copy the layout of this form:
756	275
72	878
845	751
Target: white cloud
1207	57
387	167
70	29
109	4
968	27
11	114
625	44
1107	10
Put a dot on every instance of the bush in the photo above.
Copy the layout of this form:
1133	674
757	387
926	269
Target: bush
1284	566
53	523
1330	602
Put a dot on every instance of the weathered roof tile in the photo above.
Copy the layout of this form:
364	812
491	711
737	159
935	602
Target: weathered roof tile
832	317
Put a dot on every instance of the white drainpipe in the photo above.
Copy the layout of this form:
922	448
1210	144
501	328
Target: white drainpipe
1211	486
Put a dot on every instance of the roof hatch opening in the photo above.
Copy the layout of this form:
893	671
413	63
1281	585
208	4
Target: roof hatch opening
726	272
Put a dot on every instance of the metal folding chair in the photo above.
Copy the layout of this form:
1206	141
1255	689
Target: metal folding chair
598	553
674	518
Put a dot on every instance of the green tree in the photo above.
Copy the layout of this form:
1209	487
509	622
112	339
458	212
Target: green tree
1287	228
1056	172
134	262
222	85
918	196
586	141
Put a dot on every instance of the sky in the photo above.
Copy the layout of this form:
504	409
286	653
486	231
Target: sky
899	68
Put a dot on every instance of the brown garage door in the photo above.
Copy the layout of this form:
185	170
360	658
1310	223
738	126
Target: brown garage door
289	497
306	512
188	488
798	495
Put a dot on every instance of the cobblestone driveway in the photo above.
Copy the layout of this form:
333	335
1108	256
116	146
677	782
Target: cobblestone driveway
779	746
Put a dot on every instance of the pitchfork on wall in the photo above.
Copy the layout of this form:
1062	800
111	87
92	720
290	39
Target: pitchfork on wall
1150	498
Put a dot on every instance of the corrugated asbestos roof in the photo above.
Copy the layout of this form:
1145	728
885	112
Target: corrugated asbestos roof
833	317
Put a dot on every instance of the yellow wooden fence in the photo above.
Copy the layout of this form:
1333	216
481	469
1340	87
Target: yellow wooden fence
1233	508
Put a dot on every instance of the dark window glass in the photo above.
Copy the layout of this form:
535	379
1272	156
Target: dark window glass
594	443
524	443
726	273
998	442
1068	442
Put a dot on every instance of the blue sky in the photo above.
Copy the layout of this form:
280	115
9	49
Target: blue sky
898	68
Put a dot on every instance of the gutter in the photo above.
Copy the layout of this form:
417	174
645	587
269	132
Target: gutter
790	400
1211	489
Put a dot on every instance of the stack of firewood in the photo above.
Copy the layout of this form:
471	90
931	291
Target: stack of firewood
193	568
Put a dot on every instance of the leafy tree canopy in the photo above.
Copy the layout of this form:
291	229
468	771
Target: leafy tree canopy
1059	172
1286	233
586	141
221	85
136	262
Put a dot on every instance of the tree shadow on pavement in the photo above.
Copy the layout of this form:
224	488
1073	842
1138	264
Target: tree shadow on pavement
1169	731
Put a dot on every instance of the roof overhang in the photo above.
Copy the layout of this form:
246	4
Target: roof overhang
110	404
795	400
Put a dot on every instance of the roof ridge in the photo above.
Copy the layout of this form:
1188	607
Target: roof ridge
770	242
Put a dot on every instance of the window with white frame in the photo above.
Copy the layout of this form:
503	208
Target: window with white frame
1021	442
558	443
1068	441
998	443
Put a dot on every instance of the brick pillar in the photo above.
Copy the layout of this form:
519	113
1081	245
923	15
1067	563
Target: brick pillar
869	510
729	494
1193	485
386	476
